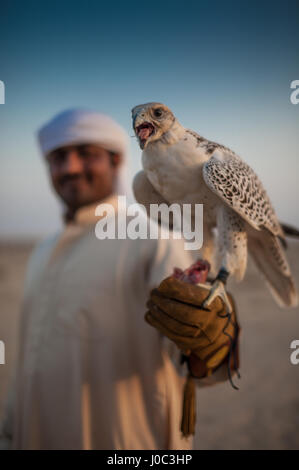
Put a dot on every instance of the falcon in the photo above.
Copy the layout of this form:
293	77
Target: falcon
180	166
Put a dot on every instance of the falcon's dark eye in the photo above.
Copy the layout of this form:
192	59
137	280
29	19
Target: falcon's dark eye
158	112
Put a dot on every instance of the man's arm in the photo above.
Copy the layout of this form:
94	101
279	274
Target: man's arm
213	367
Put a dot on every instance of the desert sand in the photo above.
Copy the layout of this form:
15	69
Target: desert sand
262	414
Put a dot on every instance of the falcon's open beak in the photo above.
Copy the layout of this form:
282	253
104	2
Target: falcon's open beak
143	132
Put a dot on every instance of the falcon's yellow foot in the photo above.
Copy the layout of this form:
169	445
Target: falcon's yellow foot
218	289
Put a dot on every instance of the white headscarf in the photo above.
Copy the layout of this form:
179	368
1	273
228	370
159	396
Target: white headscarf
79	126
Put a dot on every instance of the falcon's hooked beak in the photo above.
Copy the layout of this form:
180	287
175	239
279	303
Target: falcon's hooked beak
143	132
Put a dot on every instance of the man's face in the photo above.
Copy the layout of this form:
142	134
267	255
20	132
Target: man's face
82	174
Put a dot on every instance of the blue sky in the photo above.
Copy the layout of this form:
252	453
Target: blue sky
224	68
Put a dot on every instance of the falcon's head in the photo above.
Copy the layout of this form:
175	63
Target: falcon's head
151	121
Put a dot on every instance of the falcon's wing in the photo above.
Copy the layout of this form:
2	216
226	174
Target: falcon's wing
240	188
146	195
145	192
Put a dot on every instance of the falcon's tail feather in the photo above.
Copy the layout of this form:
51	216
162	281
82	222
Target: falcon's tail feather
290	230
269	257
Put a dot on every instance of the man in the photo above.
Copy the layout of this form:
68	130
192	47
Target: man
91	372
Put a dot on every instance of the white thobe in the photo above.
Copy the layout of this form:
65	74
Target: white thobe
91	373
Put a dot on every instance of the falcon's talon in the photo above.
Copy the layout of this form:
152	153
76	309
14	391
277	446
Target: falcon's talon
218	289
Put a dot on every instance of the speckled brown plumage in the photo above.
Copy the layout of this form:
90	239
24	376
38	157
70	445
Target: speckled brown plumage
238	185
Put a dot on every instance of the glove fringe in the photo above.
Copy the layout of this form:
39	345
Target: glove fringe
189	407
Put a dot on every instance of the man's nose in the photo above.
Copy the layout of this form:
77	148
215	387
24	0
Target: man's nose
72	163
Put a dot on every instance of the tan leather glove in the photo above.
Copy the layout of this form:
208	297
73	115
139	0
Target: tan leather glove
207	338
175	310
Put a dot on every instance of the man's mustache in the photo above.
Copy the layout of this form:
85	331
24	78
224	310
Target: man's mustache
74	177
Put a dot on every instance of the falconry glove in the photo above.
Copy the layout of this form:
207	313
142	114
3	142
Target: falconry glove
207	337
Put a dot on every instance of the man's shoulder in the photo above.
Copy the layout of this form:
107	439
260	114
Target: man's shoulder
43	246
39	256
